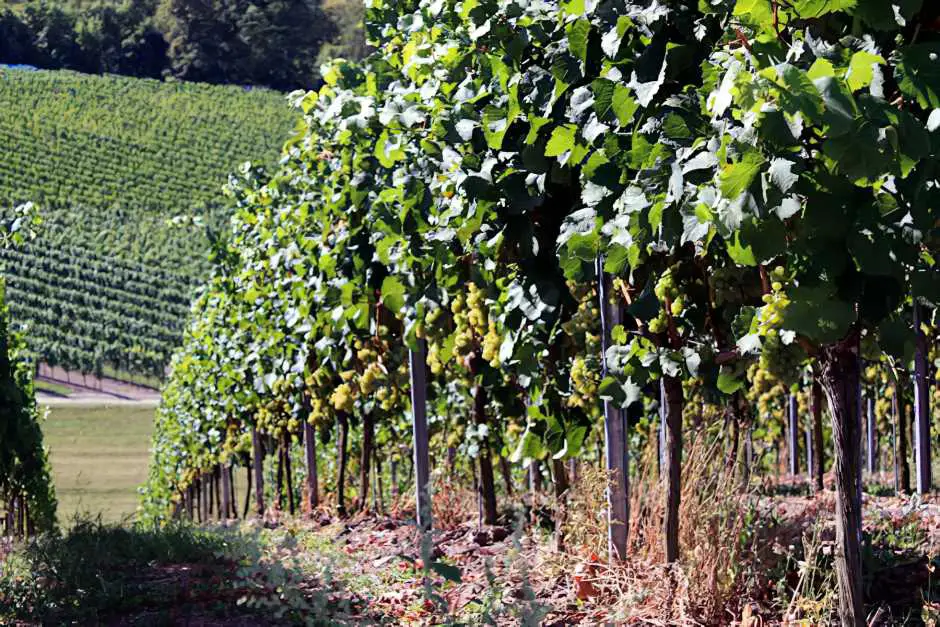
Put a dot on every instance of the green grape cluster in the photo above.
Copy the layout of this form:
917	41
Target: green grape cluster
584	376
274	418
434	358
666	288
769	395
584	385
781	361
475	327
668	293
770	316
319	386
343	398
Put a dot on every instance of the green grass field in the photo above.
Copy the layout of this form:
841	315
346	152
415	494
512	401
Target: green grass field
99	457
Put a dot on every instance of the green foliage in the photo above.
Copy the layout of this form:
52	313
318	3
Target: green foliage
745	171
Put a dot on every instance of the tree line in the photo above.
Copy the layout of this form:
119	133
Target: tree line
275	43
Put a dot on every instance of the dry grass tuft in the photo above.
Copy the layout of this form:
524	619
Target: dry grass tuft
718	540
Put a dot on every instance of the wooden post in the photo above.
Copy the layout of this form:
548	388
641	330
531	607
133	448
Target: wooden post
231	486
819	463
217	480
310	454
748	456
618	506
199	505
894	438
258	468
417	362
661	440
921	407
247	490
342	445
872	436
794	433
808	443
279	477
288	475
672	394
225	510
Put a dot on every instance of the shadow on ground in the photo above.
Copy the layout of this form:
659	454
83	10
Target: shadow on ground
102	574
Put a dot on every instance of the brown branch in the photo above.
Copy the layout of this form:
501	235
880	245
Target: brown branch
764	279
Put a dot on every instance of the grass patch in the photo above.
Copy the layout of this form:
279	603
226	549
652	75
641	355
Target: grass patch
99	456
100	573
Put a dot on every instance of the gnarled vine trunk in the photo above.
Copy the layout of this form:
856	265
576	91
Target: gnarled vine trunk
838	374
506	471
365	460
487	482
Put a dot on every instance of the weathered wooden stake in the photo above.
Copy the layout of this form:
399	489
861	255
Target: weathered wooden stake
226	507
672	394
921	407
310	455
819	457
872	436
618	506
258	468
417	362
794	435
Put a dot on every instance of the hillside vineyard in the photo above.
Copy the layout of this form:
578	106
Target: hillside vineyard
127	175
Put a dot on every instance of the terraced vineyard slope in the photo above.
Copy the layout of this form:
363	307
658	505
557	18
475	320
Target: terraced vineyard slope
127	174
